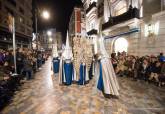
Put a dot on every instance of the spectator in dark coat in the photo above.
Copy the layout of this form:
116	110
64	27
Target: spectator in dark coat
155	71
161	77
114	60
144	70
1	57
28	64
19	58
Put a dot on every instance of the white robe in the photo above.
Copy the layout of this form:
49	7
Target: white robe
110	83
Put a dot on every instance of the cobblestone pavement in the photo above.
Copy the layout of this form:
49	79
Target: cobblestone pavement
43	95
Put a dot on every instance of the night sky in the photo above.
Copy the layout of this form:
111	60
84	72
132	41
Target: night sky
60	11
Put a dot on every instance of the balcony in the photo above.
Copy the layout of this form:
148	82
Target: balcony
130	14
90	7
92	32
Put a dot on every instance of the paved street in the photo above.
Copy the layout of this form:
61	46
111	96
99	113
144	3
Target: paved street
43	95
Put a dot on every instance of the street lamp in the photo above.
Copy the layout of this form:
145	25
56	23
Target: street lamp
49	33
45	14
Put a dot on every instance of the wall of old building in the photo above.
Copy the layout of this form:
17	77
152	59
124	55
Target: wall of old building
151	12
22	12
139	44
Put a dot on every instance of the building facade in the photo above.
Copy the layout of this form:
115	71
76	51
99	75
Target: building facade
46	41
58	40
22	12
90	7
134	26
77	22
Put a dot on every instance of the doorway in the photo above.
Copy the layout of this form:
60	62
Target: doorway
120	45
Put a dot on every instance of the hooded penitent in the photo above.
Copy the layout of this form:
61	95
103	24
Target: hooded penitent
107	81
67	54
66	67
55	60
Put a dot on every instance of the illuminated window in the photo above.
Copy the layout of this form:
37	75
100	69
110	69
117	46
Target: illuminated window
141	11
151	29
92	25
120	8
21	20
93	1
121	11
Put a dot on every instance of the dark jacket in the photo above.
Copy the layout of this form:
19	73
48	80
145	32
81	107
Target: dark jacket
19	58
157	70
27	64
10	59
143	70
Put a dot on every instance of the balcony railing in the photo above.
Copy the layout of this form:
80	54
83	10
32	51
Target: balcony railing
130	14
92	32
92	5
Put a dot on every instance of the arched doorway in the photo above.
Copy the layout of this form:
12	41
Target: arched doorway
120	45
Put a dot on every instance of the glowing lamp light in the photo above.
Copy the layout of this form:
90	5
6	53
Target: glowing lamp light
49	33
46	14
50	39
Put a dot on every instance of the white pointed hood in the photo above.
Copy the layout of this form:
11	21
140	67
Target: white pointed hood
67	54
102	48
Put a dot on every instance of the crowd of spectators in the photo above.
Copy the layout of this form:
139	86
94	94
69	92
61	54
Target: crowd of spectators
148	68
27	63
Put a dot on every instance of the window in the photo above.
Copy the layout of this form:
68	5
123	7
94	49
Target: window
120	8
29	23
121	11
21	20
82	15
112	1
21	10
93	1
22	28
29	32
13	2
92	25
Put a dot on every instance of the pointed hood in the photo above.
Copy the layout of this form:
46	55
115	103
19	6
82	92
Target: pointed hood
67	54
67	42
102	48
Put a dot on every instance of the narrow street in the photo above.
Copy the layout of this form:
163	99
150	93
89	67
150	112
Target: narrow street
43	95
